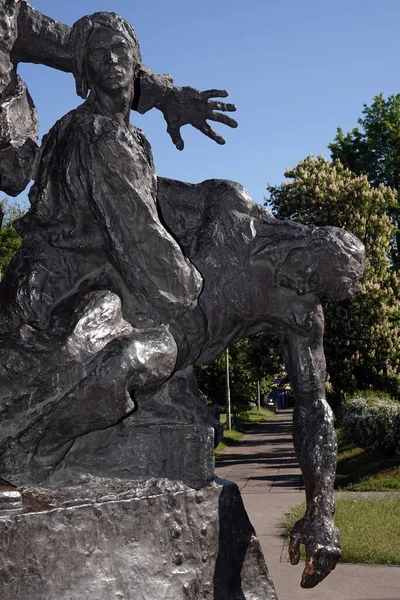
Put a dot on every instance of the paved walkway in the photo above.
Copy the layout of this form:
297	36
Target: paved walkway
265	468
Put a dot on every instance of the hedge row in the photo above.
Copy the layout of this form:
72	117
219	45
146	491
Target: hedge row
372	420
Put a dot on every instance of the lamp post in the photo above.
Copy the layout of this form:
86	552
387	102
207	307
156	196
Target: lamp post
228	390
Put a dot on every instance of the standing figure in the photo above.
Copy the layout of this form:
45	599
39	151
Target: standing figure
94	199
93	222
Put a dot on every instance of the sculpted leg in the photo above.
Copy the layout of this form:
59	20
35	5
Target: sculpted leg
139	360
316	446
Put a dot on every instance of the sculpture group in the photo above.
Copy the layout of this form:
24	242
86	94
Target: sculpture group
125	281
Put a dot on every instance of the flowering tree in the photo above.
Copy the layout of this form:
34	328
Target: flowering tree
362	343
373	149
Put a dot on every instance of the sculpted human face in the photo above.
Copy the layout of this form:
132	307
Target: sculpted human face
111	60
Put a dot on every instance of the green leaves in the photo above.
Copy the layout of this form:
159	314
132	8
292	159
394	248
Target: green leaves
372	421
362	333
250	360
10	240
374	151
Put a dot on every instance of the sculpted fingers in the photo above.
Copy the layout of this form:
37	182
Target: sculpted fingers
214	105
221	118
188	106
209	132
319	565
294	547
207	94
175	134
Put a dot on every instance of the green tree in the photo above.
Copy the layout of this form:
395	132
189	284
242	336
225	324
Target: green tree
10	240
265	356
362	343
373	149
212	381
246	368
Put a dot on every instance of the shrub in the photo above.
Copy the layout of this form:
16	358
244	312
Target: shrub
372	420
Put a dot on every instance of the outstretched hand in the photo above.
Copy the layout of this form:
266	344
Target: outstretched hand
321	539
188	106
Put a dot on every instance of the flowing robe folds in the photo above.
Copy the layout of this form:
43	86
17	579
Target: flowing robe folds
94	224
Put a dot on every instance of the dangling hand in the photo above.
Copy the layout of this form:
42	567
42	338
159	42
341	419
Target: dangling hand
321	539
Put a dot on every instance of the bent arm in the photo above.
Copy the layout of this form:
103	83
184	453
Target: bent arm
316	447
29	36
32	37
42	40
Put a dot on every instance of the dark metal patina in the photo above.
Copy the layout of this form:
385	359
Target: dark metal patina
125	281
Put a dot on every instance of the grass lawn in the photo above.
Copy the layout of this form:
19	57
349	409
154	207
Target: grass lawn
366	470
243	423
370	528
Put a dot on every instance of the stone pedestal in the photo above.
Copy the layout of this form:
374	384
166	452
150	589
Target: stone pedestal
112	539
173	451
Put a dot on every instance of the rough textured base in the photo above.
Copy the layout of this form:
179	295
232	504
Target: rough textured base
109	540
178	452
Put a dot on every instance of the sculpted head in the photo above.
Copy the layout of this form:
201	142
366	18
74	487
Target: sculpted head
106	51
332	265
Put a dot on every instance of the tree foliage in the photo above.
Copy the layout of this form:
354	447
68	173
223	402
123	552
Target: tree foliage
10	240
265	356
362	343
250	361
373	149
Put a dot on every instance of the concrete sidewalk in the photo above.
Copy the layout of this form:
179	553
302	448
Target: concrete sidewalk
265	468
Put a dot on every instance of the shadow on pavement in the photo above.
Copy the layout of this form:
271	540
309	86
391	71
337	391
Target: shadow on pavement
287	481
262	458
274	464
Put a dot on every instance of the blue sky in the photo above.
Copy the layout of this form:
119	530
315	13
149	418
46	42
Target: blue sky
296	70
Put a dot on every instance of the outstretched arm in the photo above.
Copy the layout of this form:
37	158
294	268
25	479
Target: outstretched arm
316	446
35	38
45	41
182	105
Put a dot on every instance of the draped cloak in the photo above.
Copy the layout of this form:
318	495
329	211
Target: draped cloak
94	224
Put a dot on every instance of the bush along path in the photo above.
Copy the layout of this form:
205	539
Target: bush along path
369	443
361	470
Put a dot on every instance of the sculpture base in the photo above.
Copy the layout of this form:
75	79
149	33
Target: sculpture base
142	541
178	452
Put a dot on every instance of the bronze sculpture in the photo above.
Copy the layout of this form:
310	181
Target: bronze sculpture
125	281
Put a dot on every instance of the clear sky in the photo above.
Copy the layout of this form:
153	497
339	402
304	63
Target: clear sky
296	69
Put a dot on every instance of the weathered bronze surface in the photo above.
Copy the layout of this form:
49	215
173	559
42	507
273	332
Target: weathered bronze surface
125	281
